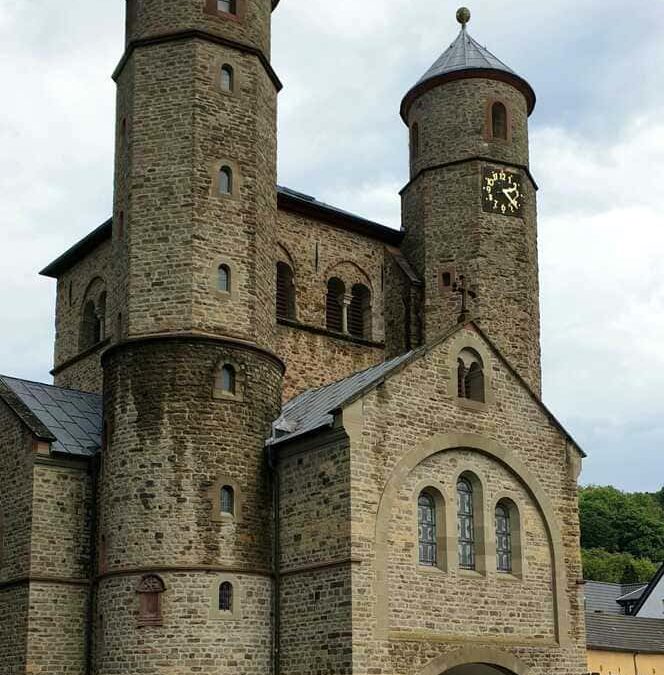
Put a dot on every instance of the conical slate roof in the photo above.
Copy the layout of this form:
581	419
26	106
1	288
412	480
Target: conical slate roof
466	57
465	53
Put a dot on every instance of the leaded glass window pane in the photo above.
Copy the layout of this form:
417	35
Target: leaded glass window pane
227	499
503	540
465	525
224	282
426	526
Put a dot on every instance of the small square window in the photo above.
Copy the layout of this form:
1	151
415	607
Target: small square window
227	6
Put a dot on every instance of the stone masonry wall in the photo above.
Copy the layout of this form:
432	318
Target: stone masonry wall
72	293
316	252
156	501
394	423
15	527
314	510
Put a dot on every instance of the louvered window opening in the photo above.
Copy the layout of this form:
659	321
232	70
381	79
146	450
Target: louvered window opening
465	525
334	306
426	527
359	312
285	292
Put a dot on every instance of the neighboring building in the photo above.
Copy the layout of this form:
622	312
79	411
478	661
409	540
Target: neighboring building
284	439
625	634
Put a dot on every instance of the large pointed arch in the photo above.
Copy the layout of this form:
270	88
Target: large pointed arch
440	443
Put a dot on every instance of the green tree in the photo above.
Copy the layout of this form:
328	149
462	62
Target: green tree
617	568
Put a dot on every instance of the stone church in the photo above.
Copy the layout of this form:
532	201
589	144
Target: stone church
283	439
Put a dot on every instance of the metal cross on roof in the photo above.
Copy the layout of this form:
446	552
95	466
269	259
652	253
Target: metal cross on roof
464	290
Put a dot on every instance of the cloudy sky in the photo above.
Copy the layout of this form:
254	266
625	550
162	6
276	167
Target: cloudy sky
597	140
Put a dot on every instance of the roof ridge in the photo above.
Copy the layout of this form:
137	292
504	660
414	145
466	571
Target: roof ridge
52	386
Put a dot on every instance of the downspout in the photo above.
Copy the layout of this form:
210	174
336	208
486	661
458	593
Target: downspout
276	553
636	665
89	629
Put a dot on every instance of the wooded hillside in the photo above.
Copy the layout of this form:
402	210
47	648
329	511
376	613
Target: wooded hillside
622	534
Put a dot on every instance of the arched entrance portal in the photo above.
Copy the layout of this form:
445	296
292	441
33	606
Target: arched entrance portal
478	669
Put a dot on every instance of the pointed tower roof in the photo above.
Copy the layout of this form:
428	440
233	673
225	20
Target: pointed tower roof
467	58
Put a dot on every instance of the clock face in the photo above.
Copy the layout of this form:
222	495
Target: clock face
502	192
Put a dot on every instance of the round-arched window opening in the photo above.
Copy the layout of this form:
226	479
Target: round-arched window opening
228	379
226	597
227	500
499	121
227	78
225	180
224	278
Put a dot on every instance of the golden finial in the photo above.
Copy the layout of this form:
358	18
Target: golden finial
463	16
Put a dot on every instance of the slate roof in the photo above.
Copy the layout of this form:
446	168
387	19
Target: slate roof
465	57
70	420
603	597
625	633
314	409
465	53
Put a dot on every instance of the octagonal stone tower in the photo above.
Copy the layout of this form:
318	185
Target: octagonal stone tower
469	209
184	535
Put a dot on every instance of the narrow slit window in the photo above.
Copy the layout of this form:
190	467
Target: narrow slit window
225	180
227	78
426	530
224	278
499	121
465	524
503	539
415	140
226	597
227	500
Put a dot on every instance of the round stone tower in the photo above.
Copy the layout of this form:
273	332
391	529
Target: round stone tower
192	385
469	209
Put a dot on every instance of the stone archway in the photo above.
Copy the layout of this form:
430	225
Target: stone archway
477	661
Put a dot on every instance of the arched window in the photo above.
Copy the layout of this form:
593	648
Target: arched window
224	278
426	529
285	292
90	327
227	78
415	140
334	305
149	591
470	376
225	180
359	313
465	524
228	6
227	500
226	597
499	120
503	539
228	379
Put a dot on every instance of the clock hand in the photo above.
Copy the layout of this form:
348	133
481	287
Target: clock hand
508	193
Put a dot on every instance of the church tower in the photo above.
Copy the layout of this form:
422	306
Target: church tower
469	210
192	385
